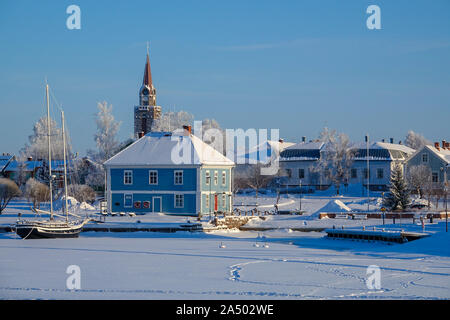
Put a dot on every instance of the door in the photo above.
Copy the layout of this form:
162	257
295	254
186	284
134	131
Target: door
216	202
157	204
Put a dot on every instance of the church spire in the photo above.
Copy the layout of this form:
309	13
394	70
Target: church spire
147	73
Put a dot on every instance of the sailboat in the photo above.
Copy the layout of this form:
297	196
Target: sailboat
52	228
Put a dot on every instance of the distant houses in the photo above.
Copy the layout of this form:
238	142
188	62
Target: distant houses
299	163
169	173
435	157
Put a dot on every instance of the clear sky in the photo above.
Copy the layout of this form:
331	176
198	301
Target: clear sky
293	65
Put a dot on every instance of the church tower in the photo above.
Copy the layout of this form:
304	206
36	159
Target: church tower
147	111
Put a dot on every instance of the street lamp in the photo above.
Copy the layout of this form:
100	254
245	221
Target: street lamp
445	191
300	210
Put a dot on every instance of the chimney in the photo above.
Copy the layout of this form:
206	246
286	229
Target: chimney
141	134
30	158
303	139
436	145
281	140
382	140
447	145
443	144
391	140
400	142
187	130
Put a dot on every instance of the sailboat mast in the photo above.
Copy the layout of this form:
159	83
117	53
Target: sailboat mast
65	166
49	153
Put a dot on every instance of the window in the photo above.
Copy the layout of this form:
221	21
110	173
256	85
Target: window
434	177
224	178
153	177
354	173
301	173
366	173
380	173
216	178
207	200
178	177
179	201
424	157
224	201
128	177
289	173
208	178
127	200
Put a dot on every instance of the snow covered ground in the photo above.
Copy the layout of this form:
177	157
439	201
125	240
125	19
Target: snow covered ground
277	264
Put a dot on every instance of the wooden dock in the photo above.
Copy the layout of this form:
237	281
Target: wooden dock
375	235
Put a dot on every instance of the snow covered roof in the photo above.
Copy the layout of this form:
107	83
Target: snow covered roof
444	154
163	148
382	151
263	152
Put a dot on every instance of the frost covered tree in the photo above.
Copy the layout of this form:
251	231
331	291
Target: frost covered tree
82	193
398	197
418	178
8	191
106	135
172	121
37	146
337	157
36	192
415	140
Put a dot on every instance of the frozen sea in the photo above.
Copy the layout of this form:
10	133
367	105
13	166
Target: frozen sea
277	264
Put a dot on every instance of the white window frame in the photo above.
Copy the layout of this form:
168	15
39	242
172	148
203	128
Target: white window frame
150	177
216	177
224	201
179	196
207	201
207	177
224	178
124	200
125	176
425	157
175	178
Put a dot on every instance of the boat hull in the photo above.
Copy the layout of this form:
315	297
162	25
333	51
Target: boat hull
42	231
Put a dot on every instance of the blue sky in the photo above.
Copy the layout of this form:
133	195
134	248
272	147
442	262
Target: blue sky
293	65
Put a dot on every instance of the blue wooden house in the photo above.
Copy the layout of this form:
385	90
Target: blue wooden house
169	173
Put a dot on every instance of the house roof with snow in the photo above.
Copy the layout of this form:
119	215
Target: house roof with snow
441	153
263	152
382	151
168	149
377	151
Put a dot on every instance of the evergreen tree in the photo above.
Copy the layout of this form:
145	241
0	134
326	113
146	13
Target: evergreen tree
398	196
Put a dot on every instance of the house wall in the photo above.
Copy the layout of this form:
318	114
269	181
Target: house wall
141	190
212	189
434	163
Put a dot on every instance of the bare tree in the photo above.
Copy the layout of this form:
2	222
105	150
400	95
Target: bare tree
252	178
36	192
418	178
8	191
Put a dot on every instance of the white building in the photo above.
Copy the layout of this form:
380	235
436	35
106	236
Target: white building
300	164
